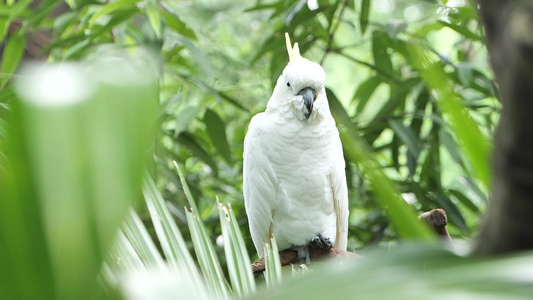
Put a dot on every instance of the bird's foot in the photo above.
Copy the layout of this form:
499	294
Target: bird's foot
322	242
303	254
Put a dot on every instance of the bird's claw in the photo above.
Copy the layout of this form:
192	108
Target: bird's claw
303	251
303	254
322	242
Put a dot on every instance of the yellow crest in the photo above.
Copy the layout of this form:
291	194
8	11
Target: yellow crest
294	52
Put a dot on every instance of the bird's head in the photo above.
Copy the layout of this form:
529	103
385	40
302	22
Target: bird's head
300	84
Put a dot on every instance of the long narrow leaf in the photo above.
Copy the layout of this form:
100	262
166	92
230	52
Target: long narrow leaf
12	53
203	246
123	256
139	237
273	273
168	233
363	17
237	257
207	258
471	140
401	214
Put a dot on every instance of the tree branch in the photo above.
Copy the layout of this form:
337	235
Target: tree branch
288	257
436	218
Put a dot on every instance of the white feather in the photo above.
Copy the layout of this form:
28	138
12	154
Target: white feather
294	171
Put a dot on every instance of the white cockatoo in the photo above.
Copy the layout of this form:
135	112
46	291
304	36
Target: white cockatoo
294	177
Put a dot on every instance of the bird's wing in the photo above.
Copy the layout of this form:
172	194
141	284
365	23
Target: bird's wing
340	195
259	183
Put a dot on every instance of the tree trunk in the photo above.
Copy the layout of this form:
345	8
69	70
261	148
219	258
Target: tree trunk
506	227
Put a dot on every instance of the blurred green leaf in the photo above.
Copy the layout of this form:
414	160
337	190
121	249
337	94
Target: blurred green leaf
217	133
407	136
382	59
18	8
450	145
411	272
179	26
394	27
11	55
365	91
462	30
198	55
454	215
363	18
80	153
465	200
189	141
185	117
110	8
153	16
475	147
464	72
401	215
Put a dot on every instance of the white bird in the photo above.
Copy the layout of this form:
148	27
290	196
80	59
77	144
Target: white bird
294	177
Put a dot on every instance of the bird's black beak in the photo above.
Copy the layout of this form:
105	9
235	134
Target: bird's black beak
309	96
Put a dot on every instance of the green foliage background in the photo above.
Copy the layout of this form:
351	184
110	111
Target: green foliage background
408	83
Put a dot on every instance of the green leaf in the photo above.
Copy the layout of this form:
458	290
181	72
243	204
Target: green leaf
238	261
471	140
110	8
365	91
207	258
123	257
186	189
395	152
426	29
382	60
16	10
203	246
69	154
189	141
198	55
363	18
153	17
462	30
45	9
465	200
453	213
172	243
273	275
178	25
13	51
401	214
184	118
77	49
451	146
4	25
410	272
407	136
135	231
464	73
216	129
394	27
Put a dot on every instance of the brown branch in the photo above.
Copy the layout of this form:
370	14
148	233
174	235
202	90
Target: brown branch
288	257
436	218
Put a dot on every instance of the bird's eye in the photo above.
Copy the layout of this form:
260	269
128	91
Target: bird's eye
288	84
